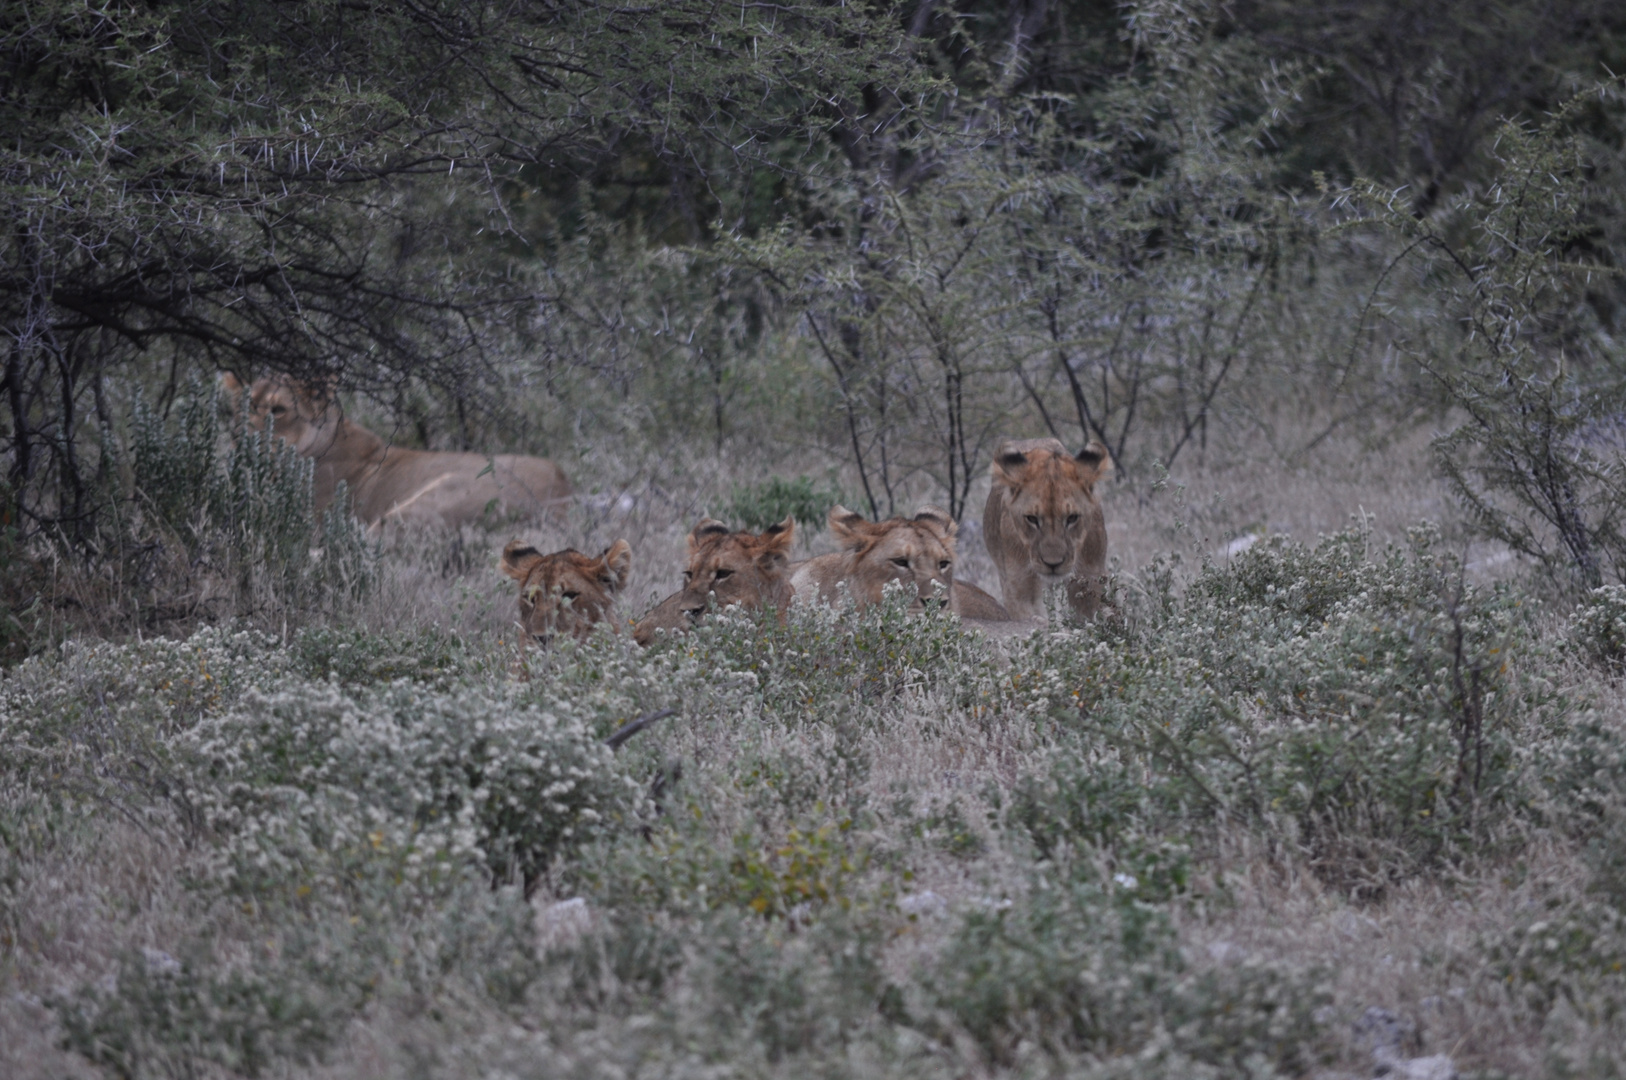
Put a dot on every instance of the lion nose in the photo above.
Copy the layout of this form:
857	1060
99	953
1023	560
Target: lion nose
1054	566
544	640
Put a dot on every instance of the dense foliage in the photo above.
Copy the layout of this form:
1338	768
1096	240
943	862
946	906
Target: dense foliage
890	233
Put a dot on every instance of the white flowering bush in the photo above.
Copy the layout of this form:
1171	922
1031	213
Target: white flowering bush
90	725
1092	969
1598	626
609	680
1371	712
304	784
821	659
429	655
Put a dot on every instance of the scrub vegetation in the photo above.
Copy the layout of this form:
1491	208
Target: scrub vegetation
1334	781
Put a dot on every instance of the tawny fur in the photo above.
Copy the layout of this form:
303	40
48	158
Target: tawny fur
1043	524
918	551
741	569
565	592
388	483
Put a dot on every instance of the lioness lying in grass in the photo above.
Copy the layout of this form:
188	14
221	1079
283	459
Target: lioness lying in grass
565	592
741	569
917	551
390	483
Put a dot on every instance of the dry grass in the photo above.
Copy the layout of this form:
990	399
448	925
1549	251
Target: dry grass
103	889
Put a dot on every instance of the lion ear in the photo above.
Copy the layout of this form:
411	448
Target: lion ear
617	563
519	559
1009	465
705	528
938	520
848	525
1094	461
231	384
776	540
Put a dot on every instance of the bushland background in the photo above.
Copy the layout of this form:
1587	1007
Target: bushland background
1305	269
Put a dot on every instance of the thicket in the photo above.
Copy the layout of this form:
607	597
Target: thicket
880	236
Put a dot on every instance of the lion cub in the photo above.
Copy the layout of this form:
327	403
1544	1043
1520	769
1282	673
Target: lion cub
742	569
1043	524
566	592
917	551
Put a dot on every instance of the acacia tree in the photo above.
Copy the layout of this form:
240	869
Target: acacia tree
1537	459
1143	278
1026	273
304	186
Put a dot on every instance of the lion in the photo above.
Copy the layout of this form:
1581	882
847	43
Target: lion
740	569
917	551
1043	524
565	592
389	483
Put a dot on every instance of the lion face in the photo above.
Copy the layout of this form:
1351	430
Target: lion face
565	592
295	412
741	569
1051	511
917	551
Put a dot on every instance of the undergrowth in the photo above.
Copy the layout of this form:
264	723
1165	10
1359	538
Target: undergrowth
359	820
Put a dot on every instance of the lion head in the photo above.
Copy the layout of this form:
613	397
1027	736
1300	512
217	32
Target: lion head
1043	523
917	551
565	592
297	411
740	569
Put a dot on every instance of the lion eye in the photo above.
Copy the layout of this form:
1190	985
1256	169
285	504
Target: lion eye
570	595
688	575
721	574
278	410
901	561
1033	519
944	565
1072	519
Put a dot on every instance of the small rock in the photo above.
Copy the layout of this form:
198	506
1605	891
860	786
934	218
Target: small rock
1387	1038
1437	1067
160	962
563	922
1384	1035
925	902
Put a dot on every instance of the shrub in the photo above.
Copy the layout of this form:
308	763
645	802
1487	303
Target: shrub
305	784
830	659
1090	971
92	724
1598	626
252	511
756	506
159	1016
1529	369
1367	711
426	654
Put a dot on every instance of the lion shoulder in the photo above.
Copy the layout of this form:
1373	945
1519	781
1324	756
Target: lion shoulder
971	602
818	577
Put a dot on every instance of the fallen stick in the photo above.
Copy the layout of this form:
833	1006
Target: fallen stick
633	727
